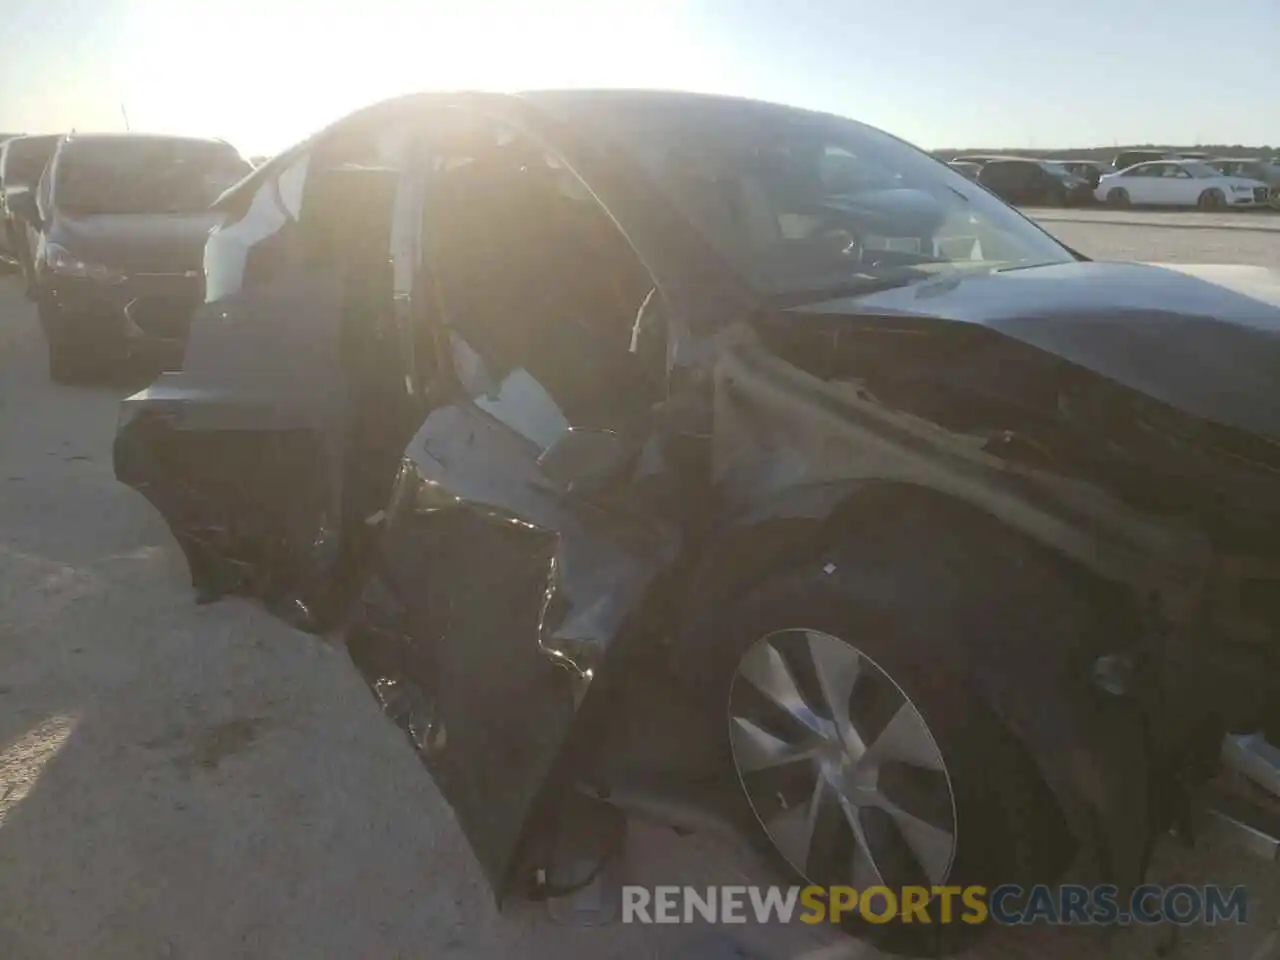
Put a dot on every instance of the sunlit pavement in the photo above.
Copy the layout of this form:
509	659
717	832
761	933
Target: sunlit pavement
183	781
1246	220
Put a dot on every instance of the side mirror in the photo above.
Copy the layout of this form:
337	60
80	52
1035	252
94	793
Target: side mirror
22	203
585	459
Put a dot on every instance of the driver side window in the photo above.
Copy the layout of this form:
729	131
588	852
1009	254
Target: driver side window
538	287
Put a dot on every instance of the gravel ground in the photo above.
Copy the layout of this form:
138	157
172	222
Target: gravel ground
1249	221
203	782
1168	237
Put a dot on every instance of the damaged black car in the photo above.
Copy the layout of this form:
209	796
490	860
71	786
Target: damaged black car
702	457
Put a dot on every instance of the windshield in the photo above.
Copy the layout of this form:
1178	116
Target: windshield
802	203
144	176
25	159
1057	169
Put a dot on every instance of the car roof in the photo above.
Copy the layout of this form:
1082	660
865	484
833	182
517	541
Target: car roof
94	138
34	137
1176	161
553	100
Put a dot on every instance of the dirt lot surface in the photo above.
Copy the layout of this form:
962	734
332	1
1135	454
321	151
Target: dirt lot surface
204	782
1252	238
1249	221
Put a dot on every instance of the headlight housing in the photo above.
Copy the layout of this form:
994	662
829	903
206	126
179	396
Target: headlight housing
64	264
1241	188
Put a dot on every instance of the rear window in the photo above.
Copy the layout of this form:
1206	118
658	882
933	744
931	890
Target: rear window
25	160
144	176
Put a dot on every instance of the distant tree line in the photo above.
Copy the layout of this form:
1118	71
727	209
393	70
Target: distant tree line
1107	153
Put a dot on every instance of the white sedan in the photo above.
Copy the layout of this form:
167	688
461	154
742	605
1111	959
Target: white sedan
1180	183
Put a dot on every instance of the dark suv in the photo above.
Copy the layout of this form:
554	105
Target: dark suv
1034	182
1089	170
1131	158
122	220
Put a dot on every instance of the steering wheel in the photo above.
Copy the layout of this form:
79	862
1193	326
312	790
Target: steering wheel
835	233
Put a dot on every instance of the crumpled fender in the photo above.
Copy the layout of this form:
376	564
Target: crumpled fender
794	451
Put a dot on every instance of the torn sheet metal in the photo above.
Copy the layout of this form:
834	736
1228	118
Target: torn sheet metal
498	602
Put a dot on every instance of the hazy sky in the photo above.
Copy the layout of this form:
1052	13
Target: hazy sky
1024	73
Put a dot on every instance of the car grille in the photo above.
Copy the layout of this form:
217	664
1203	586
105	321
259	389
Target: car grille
1260	194
165	284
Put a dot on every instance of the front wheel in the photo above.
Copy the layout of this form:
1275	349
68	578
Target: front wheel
864	767
1118	197
1211	200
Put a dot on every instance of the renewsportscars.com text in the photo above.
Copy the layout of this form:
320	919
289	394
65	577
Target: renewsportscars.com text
1007	905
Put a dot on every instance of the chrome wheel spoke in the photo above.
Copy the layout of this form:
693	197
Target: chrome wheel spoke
863	868
765	669
839	765
930	846
865	872
906	738
793	830
836	667
921	792
757	749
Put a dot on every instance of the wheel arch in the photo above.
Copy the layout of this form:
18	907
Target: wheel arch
1087	749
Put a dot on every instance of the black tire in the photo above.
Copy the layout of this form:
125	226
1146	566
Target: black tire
1118	197
1211	200
1008	827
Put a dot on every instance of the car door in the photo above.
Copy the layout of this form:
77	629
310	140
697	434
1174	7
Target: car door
1177	186
246	451
1141	183
524	531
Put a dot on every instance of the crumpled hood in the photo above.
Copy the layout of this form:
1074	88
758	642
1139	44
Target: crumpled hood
148	243
1203	339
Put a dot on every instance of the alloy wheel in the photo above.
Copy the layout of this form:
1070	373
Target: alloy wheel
839	766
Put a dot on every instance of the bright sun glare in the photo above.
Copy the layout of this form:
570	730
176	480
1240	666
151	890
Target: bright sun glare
277	70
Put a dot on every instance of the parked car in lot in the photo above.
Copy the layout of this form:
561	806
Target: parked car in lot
5	253
643	469
1252	168
1180	183
1091	171
966	169
122	221
22	161
1035	182
1129	158
979	159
